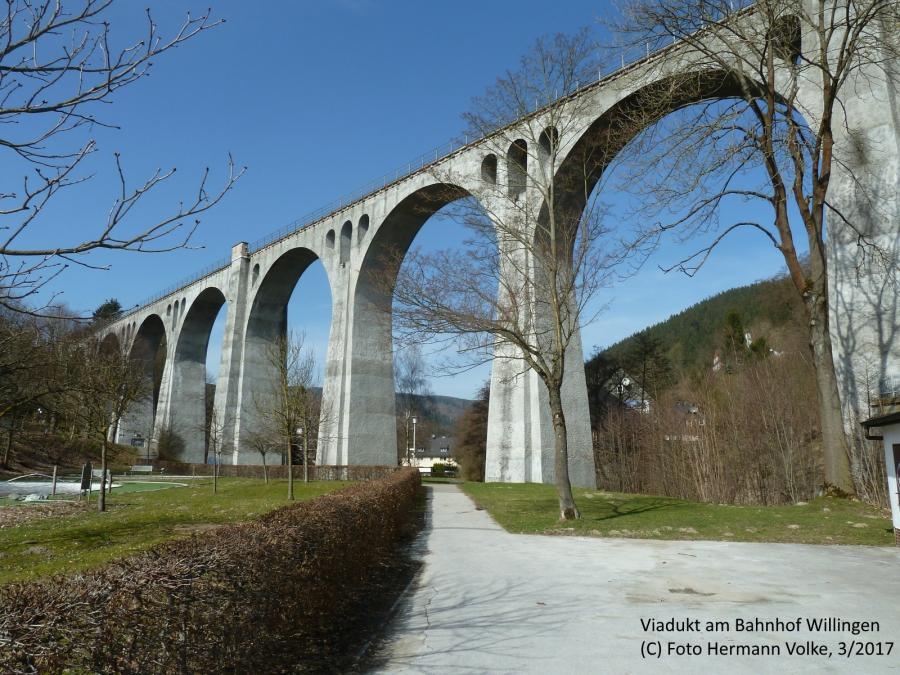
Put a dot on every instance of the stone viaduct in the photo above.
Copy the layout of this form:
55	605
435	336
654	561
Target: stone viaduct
351	241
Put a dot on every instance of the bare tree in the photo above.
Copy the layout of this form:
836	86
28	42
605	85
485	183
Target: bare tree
215	431
289	409
534	261
471	436
60	64
33	372
411	381
103	384
263	442
775	77
24	376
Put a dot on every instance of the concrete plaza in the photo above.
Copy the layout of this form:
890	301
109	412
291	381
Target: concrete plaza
492	602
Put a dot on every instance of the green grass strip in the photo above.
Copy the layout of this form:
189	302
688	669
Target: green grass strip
136	520
532	508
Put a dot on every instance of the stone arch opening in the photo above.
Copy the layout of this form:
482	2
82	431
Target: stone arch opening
362	229
593	156
346	237
517	168
548	142
189	423
489	169
148	351
329	239
293	297
395	236
370	404
786	39
581	168
110	344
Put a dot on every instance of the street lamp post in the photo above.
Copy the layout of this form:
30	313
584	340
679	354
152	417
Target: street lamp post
301	435
216	450
406	440
414	420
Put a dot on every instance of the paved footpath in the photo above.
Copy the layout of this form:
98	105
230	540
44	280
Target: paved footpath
492	602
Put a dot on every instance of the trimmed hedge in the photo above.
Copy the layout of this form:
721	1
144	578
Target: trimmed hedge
278	471
254	597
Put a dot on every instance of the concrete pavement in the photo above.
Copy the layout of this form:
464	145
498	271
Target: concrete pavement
492	602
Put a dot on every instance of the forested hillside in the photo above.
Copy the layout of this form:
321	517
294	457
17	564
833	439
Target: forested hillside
711	404
691	337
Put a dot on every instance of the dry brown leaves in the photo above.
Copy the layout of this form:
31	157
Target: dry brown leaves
19	514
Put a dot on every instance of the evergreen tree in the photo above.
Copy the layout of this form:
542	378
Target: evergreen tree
110	310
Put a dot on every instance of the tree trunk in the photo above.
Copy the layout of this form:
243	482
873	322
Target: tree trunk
7	451
834	441
265	470
101	502
567	508
306	452
290	468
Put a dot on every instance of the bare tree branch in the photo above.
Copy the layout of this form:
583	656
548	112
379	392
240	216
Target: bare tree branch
766	135
538	251
60	64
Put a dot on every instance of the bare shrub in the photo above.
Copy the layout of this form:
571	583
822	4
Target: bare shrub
749	436
169	444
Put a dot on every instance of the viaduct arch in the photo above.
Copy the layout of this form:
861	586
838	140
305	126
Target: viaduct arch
358	385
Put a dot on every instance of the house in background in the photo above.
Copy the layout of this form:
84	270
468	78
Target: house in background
437	450
626	392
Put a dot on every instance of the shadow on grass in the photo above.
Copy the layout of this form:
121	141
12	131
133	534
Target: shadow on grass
631	507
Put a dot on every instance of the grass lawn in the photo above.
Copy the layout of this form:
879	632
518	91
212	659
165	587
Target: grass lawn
533	508
135	520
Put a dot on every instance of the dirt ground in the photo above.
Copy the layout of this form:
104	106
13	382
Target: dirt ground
14	514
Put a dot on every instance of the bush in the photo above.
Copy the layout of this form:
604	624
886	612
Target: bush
277	472
169	445
441	469
255	597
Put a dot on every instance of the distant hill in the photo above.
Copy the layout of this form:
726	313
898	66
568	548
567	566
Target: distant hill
691	337
442	412
439	412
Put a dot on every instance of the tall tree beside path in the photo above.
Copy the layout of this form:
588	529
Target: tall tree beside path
774	80
61	64
523	285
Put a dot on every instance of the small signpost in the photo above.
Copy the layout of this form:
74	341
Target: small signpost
87	472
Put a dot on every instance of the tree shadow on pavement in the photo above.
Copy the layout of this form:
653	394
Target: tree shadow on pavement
437	619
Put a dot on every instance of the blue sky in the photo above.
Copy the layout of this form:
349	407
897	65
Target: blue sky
317	98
